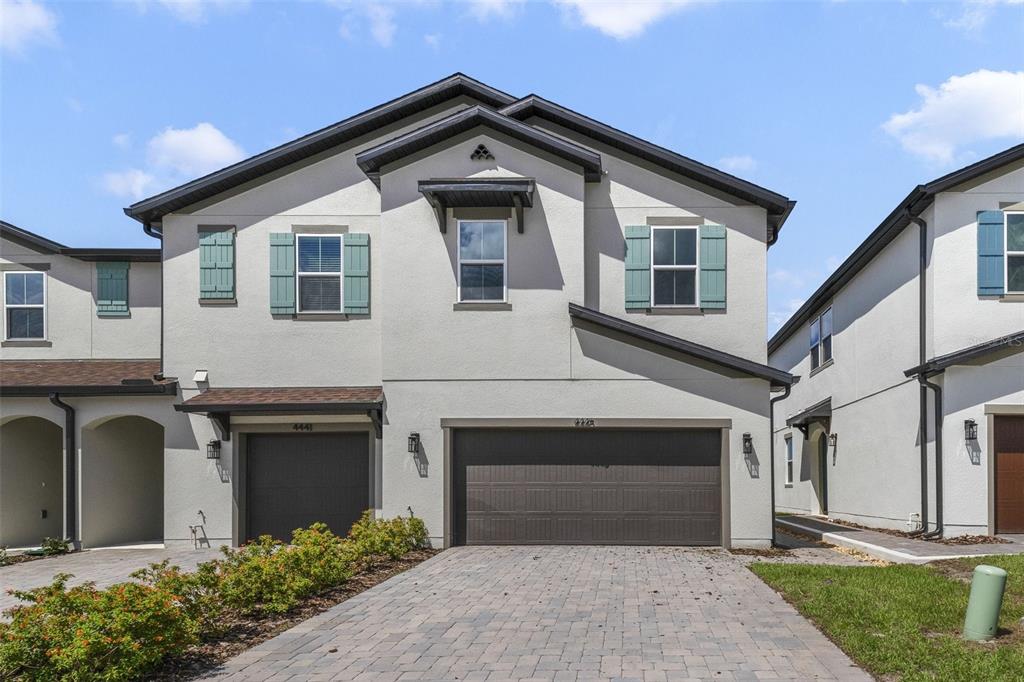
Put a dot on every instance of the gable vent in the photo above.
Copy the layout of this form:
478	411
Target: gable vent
481	153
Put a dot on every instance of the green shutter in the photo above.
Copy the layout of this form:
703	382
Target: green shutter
638	267
282	273
991	255
712	266
112	289
217	265
357	273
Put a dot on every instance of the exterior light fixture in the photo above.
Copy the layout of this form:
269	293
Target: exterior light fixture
213	449
748	444
833	438
414	442
970	430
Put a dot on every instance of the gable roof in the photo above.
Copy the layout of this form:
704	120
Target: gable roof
919	199
777	206
371	160
1011	343
48	246
154	208
777	377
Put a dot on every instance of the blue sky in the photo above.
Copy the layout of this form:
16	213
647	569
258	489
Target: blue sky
843	106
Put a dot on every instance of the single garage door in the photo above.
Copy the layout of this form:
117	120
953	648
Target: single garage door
587	486
1009	447
294	480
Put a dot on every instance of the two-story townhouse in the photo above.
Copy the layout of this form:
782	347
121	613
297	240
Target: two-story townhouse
518	323
81	405
910	414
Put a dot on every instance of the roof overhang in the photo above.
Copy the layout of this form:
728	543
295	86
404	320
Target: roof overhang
448	193
84	391
372	160
777	206
980	354
713	356
48	246
819	412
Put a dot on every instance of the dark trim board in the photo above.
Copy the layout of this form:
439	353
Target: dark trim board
170	388
47	246
1010	343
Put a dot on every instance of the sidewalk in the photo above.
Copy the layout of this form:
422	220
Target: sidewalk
890	547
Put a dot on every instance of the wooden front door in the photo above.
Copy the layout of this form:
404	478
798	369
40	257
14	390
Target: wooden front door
1009	451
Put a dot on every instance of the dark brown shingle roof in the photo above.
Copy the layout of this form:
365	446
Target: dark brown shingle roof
235	399
38	377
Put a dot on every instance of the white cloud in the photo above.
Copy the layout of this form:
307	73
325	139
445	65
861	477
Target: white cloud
979	106
778	316
621	19
975	14
433	40
24	23
132	183
382	23
787	277
496	9
74	104
122	140
738	164
195	11
193	151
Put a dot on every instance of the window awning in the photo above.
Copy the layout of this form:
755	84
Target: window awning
445	193
819	412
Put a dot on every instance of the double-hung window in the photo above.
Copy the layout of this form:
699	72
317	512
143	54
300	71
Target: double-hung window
25	305
821	339
318	273
1014	252
483	246
674	259
789	460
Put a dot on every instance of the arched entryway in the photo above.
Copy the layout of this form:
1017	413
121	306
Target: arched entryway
122	473
31	481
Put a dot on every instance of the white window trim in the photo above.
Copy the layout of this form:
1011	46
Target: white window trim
822	362
7	326
1007	253
695	267
340	274
484	261
789	460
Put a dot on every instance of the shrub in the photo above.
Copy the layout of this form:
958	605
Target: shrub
54	546
87	634
4	559
370	539
198	593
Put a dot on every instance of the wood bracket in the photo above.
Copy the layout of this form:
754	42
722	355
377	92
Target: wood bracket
221	425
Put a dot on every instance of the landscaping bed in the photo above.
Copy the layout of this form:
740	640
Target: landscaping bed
904	622
954	541
171	624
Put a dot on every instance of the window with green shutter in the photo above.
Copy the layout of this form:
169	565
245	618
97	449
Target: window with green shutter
712	266
638	267
112	289
357	273
282	273
216	264
991	254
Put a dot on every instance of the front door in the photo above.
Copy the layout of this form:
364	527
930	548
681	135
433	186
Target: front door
1009	452
823	473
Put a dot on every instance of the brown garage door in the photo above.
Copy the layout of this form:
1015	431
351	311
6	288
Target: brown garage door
587	486
294	480
1009	448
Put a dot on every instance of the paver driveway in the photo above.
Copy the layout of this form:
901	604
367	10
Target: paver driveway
556	613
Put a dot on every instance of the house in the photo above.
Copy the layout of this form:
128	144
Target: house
910	413
81	346
511	320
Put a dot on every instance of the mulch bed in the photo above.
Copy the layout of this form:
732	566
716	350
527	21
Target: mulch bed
957	540
23	558
245	632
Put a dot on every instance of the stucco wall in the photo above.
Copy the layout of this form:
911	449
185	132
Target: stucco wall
31	476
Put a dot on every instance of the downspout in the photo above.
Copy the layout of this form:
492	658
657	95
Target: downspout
70	457
937	389
158	234
771	448
922	350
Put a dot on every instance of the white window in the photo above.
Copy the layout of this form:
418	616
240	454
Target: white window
674	281
789	460
1014	252
821	339
483	245
318	273
25	305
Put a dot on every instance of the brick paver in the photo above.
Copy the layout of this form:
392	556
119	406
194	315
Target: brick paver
556	613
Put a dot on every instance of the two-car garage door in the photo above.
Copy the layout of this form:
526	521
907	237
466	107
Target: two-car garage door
587	486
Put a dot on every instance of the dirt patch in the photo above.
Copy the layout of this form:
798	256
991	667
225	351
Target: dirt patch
244	632
768	552
958	540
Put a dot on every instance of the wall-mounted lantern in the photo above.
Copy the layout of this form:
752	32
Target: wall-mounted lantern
833	438
213	449
970	430
748	444
414	442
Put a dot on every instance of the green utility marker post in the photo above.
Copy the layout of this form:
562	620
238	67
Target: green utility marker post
982	619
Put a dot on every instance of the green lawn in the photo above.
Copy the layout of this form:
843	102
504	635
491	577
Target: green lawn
904	622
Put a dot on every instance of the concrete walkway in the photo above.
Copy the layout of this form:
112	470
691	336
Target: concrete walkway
557	613
102	566
890	547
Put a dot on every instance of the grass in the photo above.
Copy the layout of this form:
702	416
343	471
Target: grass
904	622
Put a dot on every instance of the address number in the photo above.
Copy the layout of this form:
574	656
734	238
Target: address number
302	427
584	422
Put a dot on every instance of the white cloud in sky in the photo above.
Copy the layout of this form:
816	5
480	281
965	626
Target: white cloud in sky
979	106
494	9
122	140
778	316
382	23
743	163
975	14
195	11
433	40
787	277
621	19
24	23
173	156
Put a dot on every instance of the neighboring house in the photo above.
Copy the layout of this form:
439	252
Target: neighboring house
80	348
511	320
882	349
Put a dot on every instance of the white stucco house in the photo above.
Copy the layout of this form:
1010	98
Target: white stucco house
910	411
514	321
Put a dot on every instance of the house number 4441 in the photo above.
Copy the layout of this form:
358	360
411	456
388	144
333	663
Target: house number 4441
584	422
302	427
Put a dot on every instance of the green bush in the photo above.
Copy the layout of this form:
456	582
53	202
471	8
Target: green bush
54	546
370	539
4	559
198	593
87	634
